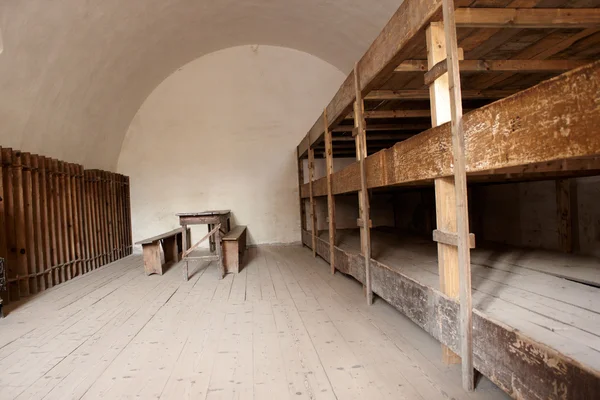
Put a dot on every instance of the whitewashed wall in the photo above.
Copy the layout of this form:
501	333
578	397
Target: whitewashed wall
221	133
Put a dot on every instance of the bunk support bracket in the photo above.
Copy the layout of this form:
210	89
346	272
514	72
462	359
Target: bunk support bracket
451	239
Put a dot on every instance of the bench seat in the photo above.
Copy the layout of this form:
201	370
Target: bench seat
234	246
172	247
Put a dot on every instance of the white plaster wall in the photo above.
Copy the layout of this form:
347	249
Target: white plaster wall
221	133
73	73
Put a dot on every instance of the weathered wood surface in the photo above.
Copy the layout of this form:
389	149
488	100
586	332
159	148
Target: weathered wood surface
395	43
50	220
520	365
519	130
551	18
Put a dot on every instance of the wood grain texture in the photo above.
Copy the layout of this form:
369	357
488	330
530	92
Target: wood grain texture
497	136
393	45
520	365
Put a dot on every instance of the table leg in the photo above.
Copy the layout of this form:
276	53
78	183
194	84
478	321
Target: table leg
184	239
220	254
211	239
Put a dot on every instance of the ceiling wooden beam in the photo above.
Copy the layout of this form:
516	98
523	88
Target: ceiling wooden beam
423	94
385	127
550	18
522	66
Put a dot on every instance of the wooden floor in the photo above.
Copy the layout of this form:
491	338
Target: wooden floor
282	328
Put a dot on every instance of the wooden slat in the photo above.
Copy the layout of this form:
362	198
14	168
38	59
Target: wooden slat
20	224
71	252
422	94
395	44
37	224
30	247
4	292
76	215
384	127
96	223
45	213
522	66
330	198
128	209
12	268
58	256
551	18
511	132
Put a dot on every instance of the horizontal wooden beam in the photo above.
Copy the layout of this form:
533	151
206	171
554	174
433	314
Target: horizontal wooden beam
412	66
359	222
450	238
376	136
423	94
398	40
518	364
523	66
551	18
394	114
386	127
554	120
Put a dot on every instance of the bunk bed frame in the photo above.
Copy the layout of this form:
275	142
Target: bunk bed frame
525	71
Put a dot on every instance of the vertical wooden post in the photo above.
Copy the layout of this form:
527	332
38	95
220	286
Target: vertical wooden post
90	223
363	195
76	198
330	198
113	211
128	214
66	231
47	219
12	270
102	217
30	247
462	210
4	294
37	224
97	223
313	214
83	220
564	215
58	237
300	163
20	225
71	258
445	197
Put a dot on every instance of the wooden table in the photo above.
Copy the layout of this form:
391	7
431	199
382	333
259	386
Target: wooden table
210	218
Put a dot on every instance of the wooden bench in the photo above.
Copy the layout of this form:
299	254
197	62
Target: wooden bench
234	246
172	247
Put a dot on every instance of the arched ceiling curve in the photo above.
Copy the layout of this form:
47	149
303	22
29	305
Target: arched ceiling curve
74	72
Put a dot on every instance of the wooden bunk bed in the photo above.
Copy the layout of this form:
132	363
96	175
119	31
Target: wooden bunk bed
526	73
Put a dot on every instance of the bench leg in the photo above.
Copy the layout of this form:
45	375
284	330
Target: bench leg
231	256
152	261
186	276
170	249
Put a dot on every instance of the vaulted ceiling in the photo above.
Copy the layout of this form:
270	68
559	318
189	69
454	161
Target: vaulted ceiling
74	72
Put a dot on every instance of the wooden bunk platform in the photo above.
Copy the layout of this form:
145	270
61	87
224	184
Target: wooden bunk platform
530	327
527	76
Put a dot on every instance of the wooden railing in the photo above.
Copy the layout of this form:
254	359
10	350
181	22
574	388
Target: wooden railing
58	221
